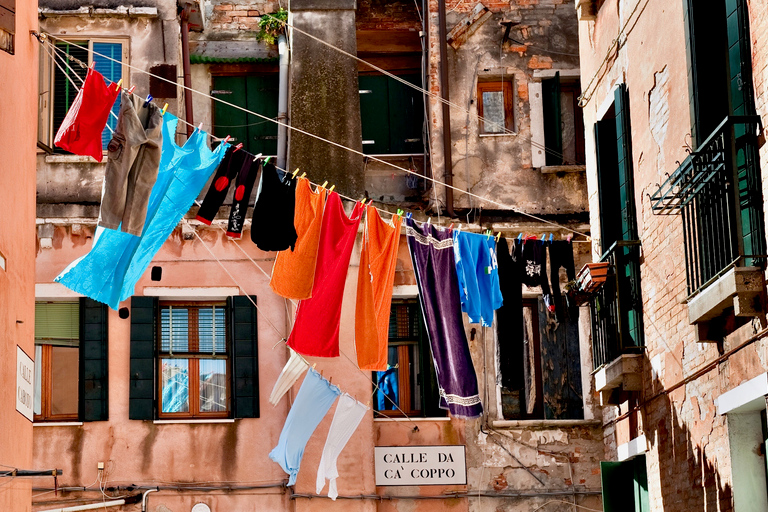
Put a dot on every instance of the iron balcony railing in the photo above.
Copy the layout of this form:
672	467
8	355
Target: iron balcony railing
717	189
616	308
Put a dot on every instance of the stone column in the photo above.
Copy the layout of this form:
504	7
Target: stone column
325	98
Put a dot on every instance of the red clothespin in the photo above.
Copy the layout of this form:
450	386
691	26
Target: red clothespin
569	237
450	228
226	139
93	64
238	147
130	91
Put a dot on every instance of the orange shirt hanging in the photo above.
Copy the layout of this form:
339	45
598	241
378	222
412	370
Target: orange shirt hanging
378	259
294	271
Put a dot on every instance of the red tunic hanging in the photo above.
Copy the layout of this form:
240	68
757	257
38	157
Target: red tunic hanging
316	328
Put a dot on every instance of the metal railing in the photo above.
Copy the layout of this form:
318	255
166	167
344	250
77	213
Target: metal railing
718	191
616	308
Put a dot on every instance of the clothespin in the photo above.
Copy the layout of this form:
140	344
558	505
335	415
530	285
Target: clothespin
429	220
294	172
165	107
119	83
257	157
450	228
303	174
400	213
520	237
200	127
226	139
238	147
569	237
498	236
362	201
543	237
332	187
314	365
551	237
324	184
149	98
330	380
321	373
267	160
488	234
408	216
458	229
130	91
93	64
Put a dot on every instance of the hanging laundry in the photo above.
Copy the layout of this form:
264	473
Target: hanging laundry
292	370
316	327
435	269
561	255
509	318
237	166
535	268
478	275
80	132
313	400
349	413
109	272
272	227
387	394
293	273
376	275
132	166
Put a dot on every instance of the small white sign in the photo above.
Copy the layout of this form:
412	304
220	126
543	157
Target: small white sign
420	465
25	383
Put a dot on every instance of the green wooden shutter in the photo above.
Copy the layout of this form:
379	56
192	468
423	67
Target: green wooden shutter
374	114
560	366
608	183
406	119
640	483
141	403
244	352
553	130
262	97
624	151
618	486
229	120
94	365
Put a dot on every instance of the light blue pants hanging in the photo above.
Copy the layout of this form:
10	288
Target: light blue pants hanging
313	400
117	260
478	273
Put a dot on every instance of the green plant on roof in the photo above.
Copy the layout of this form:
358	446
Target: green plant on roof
272	25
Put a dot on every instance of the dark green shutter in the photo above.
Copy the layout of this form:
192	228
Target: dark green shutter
640	482
560	365
93	384
374	114
624	151
141	403
244	352
618	486
553	129
255	93
608	182
406	119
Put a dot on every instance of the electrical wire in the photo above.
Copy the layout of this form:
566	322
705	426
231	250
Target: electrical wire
336	144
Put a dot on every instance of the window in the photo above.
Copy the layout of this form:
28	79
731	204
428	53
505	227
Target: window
563	122
193	360
70	361
410	380
391	115
7	25
546	387
495	101
60	83
625	485
257	93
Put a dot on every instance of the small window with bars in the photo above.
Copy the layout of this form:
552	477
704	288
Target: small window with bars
193	360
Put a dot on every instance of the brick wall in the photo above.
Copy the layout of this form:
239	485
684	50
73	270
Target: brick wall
239	15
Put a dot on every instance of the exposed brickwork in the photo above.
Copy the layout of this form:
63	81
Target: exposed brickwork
229	16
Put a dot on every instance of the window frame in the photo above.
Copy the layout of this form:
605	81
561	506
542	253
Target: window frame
47	80
8	26
506	87
193	368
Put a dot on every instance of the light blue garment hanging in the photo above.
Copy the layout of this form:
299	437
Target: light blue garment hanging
312	402
478	273
117	260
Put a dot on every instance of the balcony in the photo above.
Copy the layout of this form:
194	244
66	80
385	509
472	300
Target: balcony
617	323
717	191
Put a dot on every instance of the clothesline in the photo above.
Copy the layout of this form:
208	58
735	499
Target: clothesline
336	144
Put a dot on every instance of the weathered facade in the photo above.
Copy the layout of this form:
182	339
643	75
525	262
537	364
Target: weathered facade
519	61
680	365
18	61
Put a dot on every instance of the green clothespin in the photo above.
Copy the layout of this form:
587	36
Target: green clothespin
267	160
399	212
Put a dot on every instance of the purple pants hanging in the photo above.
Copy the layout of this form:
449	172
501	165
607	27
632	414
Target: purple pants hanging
433	263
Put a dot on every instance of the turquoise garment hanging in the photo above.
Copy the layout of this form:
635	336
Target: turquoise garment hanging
117	260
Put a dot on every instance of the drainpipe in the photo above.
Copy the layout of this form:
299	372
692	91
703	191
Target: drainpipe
145	500
443	34
90	506
282	101
187	71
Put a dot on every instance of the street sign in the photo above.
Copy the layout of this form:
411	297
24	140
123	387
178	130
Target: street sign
420	465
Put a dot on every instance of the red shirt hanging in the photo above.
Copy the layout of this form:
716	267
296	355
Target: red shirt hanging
80	132
316	328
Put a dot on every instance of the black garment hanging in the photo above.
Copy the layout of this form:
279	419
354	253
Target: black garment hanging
272	228
509	317
561	255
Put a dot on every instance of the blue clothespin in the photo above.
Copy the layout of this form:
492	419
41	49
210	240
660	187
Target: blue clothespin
520	237
551	236
408	216
543	237
149	98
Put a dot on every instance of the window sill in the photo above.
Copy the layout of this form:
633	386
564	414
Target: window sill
510	134
57	424
550	169
439	418
193	421
72	159
546	423
740	288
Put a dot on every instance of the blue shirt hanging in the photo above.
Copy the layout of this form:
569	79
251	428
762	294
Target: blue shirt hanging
109	272
478	273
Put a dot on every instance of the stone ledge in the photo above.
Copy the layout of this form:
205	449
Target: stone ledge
549	169
546	423
72	159
740	288
625	372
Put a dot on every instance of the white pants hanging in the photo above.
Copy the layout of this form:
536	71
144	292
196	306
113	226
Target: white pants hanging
293	369
349	413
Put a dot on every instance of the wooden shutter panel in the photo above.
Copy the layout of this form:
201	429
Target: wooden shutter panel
141	403
553	130
374	114
244	352
94	365
607	177
229	120
560	365
617	479
262	96
8	16
624	150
